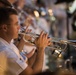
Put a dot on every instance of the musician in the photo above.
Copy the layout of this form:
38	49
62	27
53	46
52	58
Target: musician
9	28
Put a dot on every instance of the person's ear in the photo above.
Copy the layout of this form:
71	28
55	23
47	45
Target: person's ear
4	27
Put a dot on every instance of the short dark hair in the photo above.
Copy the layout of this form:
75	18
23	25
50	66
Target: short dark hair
5	15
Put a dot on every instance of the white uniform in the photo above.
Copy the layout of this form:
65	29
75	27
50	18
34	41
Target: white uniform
15	63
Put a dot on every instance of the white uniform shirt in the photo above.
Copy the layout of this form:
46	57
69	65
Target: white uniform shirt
15	62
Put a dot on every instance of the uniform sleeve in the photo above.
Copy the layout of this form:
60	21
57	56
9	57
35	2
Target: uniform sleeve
16	66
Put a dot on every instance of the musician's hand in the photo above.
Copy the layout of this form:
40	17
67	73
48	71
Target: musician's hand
43	41
27	30
28	21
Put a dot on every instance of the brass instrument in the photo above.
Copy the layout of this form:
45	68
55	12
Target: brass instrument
59	44
54	39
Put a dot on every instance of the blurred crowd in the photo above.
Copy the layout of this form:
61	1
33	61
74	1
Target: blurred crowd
44	16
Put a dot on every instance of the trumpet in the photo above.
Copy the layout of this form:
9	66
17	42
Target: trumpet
59	44
54	39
